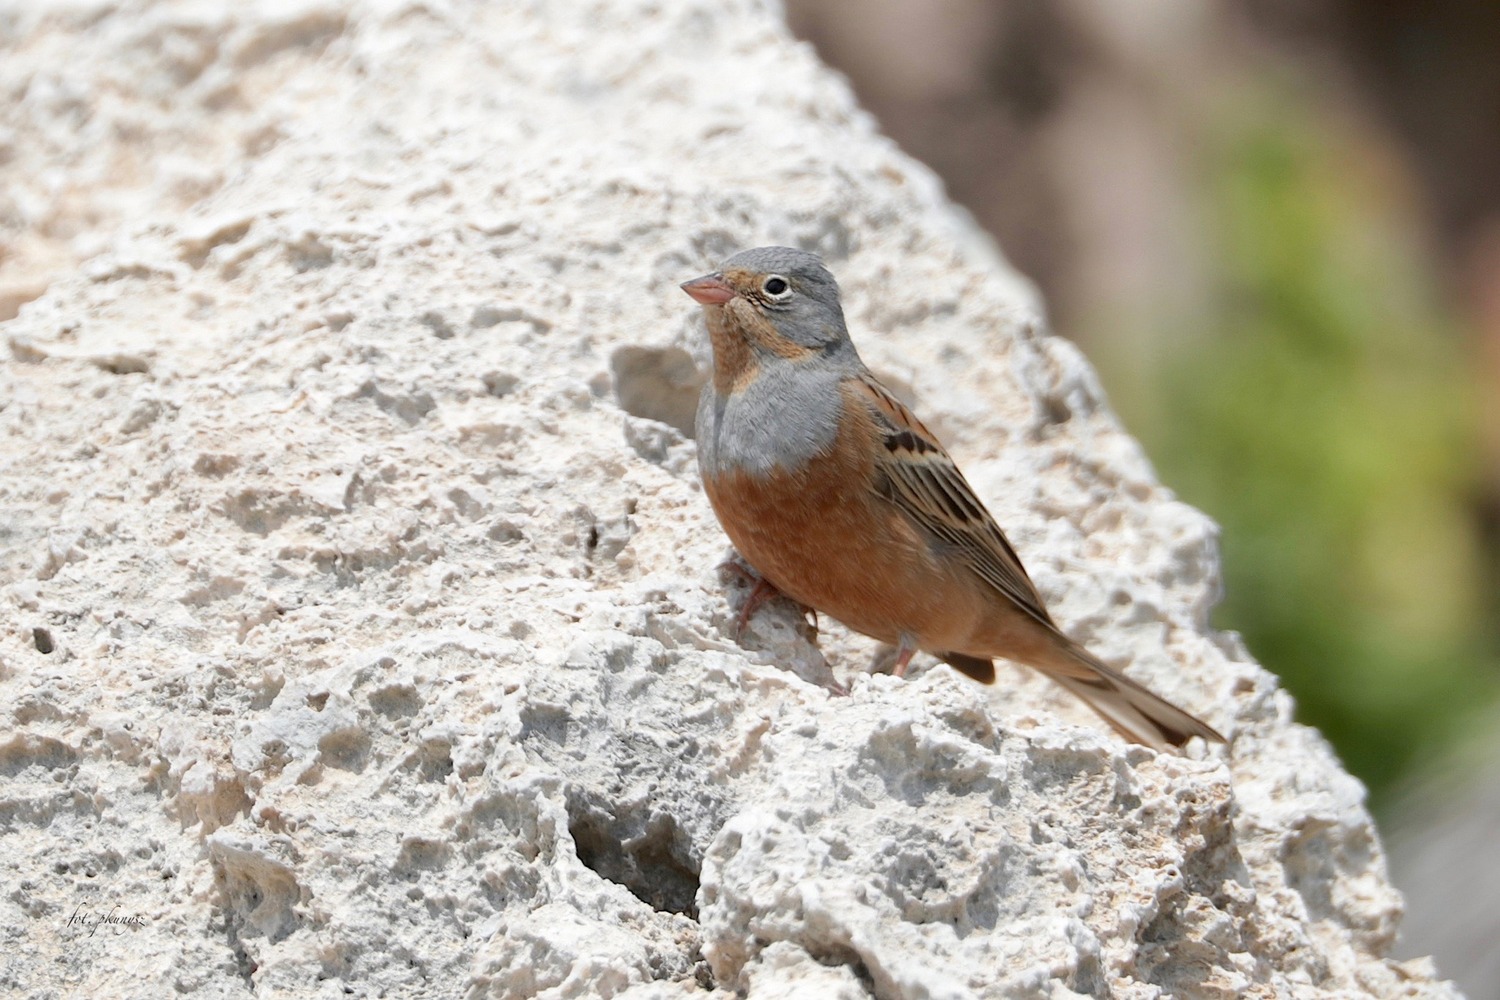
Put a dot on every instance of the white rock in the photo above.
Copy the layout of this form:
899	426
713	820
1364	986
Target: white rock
345	484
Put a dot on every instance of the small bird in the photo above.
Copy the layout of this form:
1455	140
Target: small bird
842	500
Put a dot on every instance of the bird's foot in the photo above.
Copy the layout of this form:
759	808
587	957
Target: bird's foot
762	591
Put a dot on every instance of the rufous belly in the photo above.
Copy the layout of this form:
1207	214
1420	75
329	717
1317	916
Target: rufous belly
827	541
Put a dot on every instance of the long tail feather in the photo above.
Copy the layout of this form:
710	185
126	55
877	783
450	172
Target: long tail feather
1131	709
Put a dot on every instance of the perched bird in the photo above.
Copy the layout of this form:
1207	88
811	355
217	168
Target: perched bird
842	500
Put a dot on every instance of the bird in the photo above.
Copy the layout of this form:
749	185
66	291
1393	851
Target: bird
841	499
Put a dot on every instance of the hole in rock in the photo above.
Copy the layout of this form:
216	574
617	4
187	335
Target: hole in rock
500	384
648	858
435	321
122	364
658	384
1057	410
42	639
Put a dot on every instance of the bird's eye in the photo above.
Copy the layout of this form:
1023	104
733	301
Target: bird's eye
776	286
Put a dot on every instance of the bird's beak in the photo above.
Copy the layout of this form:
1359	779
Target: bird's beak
709	290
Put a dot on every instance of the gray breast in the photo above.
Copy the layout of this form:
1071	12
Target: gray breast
782	419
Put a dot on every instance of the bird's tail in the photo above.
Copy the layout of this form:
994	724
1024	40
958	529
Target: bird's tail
1131	709
977	667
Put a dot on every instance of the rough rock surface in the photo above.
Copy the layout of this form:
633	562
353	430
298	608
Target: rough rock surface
362	631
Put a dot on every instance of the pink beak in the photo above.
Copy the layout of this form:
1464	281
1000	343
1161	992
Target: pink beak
709	290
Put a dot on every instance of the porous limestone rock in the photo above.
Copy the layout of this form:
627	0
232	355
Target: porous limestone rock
362	627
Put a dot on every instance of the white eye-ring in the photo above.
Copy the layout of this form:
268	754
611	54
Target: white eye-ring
776	286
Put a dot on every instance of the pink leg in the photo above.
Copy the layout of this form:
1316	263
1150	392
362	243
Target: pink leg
904	653
762	593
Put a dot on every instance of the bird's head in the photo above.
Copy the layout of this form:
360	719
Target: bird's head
777	299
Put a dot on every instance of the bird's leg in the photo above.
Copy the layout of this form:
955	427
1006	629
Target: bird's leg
763	591
904	653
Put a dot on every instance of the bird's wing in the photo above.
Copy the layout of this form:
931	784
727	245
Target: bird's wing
921	479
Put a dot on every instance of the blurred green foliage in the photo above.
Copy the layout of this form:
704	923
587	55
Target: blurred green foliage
1327	419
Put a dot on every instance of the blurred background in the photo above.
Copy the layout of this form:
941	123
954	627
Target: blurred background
1274	225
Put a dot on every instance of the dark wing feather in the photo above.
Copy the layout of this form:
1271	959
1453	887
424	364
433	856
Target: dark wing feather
921	478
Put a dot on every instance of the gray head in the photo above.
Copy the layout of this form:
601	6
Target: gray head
789	288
